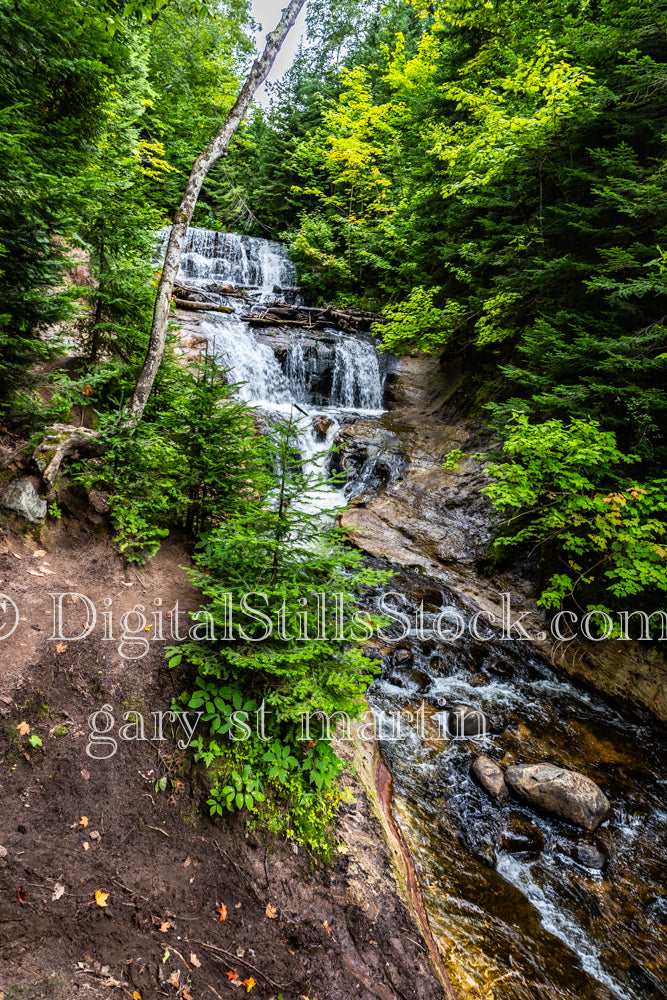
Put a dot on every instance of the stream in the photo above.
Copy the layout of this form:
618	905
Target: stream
522	907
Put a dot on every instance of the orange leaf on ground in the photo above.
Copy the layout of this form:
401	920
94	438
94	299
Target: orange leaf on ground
249	983
136	995
222	910
61	647
271	912
101	897
23	728
232	974
83	821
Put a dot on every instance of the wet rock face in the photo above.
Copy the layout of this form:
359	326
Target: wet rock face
566	794
520	836
589	855
372	457
22	497
412	680
491	777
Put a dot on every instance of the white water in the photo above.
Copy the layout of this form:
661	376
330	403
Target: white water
357	384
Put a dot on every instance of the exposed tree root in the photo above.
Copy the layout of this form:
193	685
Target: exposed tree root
61	441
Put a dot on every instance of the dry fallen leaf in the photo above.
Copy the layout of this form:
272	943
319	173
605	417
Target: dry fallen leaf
95	835
271	912
175	979
58	891
60	648
166	925
38	553
136	995
34	572
16	555
249	983
195	961
187	862
86	845
48	572
232	975
21	894
186	995
222	910
101	897
23	728
83	822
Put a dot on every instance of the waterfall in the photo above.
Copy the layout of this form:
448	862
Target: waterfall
273	378
242	260
248	362
357	382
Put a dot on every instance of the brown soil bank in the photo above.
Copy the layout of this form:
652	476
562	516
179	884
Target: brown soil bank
70	826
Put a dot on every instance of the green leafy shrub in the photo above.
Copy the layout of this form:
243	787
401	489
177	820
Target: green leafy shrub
563	489
280	553
188	464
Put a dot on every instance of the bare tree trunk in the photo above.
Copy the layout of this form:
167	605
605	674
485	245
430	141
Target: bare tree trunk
216	148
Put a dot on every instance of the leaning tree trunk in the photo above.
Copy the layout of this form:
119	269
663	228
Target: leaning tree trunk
215	149
61	440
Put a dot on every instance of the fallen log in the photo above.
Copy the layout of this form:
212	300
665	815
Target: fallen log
202	306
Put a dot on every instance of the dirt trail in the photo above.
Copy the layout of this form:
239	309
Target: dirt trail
340	931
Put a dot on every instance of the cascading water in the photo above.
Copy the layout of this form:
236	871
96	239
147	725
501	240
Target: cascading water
347	367
517	909
241	260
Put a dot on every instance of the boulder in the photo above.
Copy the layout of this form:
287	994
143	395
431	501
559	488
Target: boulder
22	497
491	777
589	855
566	794
410	679
402	656
466	721
520	836
321	425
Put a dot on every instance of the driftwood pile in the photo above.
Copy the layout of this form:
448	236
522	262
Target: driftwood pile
210	299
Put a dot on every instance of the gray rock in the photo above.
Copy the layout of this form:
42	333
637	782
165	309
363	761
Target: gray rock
22	497
567	794
491	777
589	855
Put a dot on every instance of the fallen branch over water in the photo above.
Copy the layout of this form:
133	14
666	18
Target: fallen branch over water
202	306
